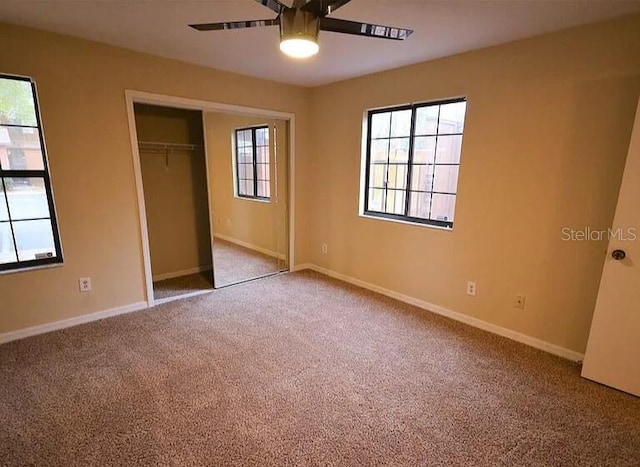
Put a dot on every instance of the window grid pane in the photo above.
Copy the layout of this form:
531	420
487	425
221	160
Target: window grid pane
34	238
413	161
26	197
20	148
21	109
4	210
7	248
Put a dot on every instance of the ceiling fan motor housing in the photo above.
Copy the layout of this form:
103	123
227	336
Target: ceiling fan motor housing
299	24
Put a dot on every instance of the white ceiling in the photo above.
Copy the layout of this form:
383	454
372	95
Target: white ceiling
442	27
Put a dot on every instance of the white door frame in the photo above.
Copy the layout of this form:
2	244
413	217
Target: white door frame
142	97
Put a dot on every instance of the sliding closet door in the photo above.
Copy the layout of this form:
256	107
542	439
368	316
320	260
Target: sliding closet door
281	191
247	163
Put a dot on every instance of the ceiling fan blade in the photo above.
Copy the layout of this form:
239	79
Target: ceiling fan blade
274	5
364	29
323	7
235	25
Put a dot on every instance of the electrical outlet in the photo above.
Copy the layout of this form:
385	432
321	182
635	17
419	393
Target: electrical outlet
325	248
84	284
471	289
520	302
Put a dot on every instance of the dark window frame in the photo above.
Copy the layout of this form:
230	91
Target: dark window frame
254	161
410	164
42	174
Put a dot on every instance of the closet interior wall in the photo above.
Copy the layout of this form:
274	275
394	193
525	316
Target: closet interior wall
172	157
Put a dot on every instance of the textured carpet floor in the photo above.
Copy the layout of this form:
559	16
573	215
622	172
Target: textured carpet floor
299	369
183	285
233	264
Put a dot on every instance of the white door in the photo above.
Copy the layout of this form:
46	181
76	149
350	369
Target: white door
613	350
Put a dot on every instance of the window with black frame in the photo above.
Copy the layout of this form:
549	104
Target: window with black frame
252	163
28	228
413	160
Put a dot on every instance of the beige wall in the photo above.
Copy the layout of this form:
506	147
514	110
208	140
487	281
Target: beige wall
256	223
175	190
81	88
547	131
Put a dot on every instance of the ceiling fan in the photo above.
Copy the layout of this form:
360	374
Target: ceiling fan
301	23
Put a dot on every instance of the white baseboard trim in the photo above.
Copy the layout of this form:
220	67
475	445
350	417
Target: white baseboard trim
302	267
160	301
475	322
67	323
259	249
186	272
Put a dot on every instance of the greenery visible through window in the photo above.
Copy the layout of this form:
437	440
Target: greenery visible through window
28	229
413	159
252	163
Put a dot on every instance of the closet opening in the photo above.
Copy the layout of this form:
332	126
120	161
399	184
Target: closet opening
173	168
214	202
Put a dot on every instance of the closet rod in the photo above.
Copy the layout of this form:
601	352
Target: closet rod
150	145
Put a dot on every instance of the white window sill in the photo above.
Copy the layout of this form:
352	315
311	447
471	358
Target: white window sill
398	221
257	200
32	268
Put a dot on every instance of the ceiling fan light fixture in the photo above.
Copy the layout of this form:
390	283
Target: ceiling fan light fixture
298	47
300	25
299	33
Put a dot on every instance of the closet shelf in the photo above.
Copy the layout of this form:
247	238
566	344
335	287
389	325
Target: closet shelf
153	146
